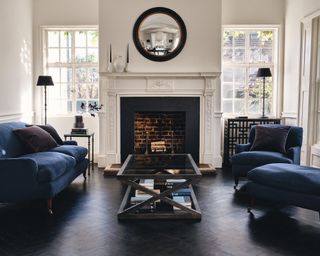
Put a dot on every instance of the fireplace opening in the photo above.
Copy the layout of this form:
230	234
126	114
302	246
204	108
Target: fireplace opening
161	117
159	132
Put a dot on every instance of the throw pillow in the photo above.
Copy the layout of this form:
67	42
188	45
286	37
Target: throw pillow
35	139
273	138
53	132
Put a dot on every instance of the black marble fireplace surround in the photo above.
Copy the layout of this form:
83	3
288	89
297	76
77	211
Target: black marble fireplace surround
189	105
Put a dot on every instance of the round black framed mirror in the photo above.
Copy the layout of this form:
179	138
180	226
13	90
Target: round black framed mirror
159	34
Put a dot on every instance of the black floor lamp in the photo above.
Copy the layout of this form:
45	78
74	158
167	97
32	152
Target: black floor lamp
45	81
264	72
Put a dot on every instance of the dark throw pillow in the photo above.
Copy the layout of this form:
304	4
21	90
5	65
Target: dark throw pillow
35	139
53	132
270	138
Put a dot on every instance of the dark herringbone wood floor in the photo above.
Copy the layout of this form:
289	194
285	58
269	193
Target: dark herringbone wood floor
85	223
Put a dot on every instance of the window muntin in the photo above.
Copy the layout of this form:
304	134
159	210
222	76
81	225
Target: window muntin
71	58
243	52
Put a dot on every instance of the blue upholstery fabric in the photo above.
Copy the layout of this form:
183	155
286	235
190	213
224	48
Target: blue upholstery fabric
39	175
70	142
9	142
78	152
259	158
289	177
283	196
244	160
51	165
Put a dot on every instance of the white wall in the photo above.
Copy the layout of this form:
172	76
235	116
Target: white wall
253	12
16	60
60	13
203	22
296	10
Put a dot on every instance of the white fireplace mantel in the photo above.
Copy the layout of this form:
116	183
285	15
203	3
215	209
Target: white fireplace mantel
205	85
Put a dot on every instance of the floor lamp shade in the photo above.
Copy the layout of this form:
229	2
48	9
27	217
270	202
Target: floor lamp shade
45	81
264	72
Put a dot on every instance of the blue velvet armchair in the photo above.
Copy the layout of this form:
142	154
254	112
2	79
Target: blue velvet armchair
245	160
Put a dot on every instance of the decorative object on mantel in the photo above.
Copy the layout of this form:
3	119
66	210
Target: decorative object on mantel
127	59
110	65
119	64
264	72
45	81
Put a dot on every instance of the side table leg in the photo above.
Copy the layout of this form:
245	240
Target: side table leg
92	150
89	155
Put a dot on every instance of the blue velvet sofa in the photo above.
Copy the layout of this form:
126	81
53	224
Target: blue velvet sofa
287	184
41	175
245	160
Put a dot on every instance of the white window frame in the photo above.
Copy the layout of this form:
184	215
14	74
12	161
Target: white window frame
276	92
45	65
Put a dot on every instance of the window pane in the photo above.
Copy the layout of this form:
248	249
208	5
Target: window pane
227	91
53	39
81	91
228	75
65	39
81	75
80	39
55	74
227	55
92	38
93	75
66	75
53	55
65	55
239	55
227	39
239	39
92	55
81	55
239	106
93	91
78	105
227	106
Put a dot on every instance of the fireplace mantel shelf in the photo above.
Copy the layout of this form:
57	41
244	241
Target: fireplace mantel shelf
160	74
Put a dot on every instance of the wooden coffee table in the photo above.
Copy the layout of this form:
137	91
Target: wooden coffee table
171	174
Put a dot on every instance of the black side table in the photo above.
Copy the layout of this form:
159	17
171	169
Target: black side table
90	137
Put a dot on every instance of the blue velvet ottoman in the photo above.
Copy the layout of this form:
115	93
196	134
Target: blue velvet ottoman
287	184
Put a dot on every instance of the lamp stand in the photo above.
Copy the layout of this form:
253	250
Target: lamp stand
263	98
45	104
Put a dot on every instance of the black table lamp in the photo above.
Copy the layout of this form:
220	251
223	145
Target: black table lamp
264	72
45	81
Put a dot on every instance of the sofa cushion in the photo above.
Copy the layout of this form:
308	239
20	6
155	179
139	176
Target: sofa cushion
49	129
35	139
257	158
10	144
78	152
302	179
51	165
270	138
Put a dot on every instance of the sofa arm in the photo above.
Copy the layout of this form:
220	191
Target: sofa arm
294	154
18	179
70	142
242	147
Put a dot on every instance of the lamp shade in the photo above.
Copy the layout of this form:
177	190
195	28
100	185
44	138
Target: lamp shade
44	81
264	72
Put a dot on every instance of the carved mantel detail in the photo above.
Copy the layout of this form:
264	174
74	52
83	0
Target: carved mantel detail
203	85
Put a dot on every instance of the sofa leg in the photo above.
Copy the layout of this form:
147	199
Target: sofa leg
85	175
236	181
49	206
252	202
